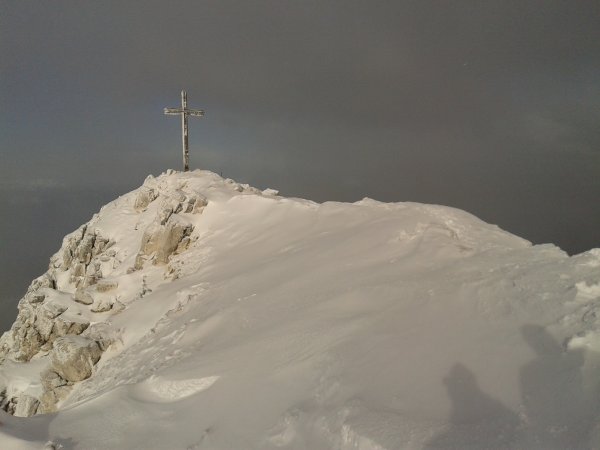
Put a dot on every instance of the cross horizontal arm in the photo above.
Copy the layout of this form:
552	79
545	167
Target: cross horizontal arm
189	112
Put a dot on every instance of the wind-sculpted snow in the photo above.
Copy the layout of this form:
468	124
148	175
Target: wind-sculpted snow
233	318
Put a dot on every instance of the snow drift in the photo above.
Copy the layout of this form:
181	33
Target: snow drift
199	313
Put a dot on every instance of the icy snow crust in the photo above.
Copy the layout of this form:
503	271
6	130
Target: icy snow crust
287	324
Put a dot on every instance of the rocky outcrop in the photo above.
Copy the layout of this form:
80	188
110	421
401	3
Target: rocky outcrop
168	233
73	357
45	315
106	286
26	406
55	390
83	283
161	240
144	197
82	296
83	253
103	304
37	327
40	319
45	319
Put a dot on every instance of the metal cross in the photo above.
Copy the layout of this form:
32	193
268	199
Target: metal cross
185	112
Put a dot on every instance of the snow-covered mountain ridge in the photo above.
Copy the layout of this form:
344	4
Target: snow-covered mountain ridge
195	312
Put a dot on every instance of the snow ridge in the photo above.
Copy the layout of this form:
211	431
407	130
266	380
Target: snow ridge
197	312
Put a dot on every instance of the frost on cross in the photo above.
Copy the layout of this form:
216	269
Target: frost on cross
185	112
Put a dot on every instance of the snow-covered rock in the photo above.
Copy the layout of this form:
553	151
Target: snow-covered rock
197	312
160	240
73	357
27	406
82	296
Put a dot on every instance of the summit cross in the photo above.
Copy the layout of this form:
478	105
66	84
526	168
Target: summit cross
185	112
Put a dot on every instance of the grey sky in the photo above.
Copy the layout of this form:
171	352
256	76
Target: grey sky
489	106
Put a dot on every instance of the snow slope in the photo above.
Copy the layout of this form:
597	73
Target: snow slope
287	324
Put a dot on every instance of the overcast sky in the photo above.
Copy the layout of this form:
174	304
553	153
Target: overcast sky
488	106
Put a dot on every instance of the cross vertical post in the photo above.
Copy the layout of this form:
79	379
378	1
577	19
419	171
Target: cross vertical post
185	112
184	133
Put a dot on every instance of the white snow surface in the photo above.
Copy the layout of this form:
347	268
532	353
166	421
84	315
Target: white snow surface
297	325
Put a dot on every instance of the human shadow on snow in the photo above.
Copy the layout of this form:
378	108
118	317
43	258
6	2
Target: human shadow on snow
559	407
475	416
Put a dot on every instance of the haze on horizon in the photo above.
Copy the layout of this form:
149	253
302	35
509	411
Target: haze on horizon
491	107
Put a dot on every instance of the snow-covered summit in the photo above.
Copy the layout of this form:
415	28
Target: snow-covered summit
196	312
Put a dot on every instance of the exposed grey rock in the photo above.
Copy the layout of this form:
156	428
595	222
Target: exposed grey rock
51	446
49	399
68	324
44	281
27	343
52	309
179	196
103	304
69	247
118	306
3	399
92	274
84	249
26	406
138	264
73	357
199	205
105	286
7	404
35	292
99	245
47	403
88	280
44	326
50	323
183	245
26	314
35	297
55	388
162	240
51	380
44	321
165	212
93	269
82	252
78	270
103	333
144	197
82	296
70	244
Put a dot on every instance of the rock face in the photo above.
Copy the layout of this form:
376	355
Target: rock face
91	277
27	406
55	388
144	197
48	312
82	296
41	318
73	357
161	240
49	399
